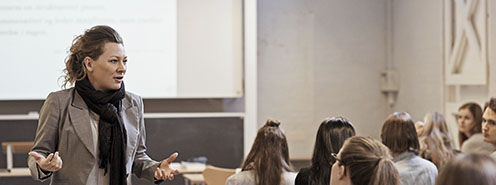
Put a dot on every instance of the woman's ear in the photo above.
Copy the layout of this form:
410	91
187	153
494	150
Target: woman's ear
88	63
342	172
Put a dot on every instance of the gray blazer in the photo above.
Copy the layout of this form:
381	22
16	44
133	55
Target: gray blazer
64	126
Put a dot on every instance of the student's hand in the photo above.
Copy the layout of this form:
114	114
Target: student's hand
51	163
164	171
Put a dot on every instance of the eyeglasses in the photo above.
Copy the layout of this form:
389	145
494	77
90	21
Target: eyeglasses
335	156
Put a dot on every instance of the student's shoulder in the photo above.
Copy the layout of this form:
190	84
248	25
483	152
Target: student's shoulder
241	178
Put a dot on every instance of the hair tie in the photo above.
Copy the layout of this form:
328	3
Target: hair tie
381	159
272	123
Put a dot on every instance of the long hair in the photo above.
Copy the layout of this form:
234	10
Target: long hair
330	137
368	161
476	112
90	44
269	155
435	143
399	134
469	169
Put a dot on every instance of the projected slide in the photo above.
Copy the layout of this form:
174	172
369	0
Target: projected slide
36	35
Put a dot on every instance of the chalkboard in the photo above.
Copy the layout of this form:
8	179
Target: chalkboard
218	139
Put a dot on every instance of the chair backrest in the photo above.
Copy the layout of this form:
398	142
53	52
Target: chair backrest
217	176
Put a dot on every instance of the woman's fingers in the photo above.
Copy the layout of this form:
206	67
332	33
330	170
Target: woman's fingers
38	157
171	158
159	174
50	157
156	174
53	162
58	161
163	175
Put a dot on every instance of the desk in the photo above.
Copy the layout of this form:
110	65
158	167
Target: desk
15	172
15	147
194	179
188	167
192	172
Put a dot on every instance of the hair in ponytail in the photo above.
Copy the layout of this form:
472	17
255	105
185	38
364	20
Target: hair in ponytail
269	155
368	162
90	44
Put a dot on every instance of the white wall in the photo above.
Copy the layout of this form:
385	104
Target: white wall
492	47
318	59
418	56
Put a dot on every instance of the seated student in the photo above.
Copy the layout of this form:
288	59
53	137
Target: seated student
469	120
330	137
268	160
398	133
435	142
477	169
489	123
363	161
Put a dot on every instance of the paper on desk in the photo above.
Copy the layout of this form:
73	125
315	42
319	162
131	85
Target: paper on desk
192	166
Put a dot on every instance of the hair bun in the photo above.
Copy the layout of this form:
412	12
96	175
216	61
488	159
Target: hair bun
272	123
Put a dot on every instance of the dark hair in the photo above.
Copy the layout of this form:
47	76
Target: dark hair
369	162
491	104
468	169
269	155
90	44
476	112
399	134
330	137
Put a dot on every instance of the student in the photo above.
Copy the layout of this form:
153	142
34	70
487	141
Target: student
489	123
399	135
469	120
268	160
330	137
363	161
435	143
477	169
94	133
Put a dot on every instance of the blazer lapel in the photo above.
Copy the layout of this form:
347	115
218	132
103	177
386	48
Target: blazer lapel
130	118
80	120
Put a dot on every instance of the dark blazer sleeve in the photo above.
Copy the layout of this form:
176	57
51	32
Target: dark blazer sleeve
46	135
143	166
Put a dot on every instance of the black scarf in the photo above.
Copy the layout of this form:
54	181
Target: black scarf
112	138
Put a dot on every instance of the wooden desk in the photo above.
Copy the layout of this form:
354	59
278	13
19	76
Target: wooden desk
15	172
188	168
9	148
194	179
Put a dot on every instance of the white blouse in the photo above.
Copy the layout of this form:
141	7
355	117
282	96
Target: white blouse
96	176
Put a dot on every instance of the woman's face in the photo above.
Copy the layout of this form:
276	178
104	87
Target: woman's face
107	71
465	121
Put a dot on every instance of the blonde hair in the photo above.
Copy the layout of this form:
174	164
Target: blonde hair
469	169
369	162
435	143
